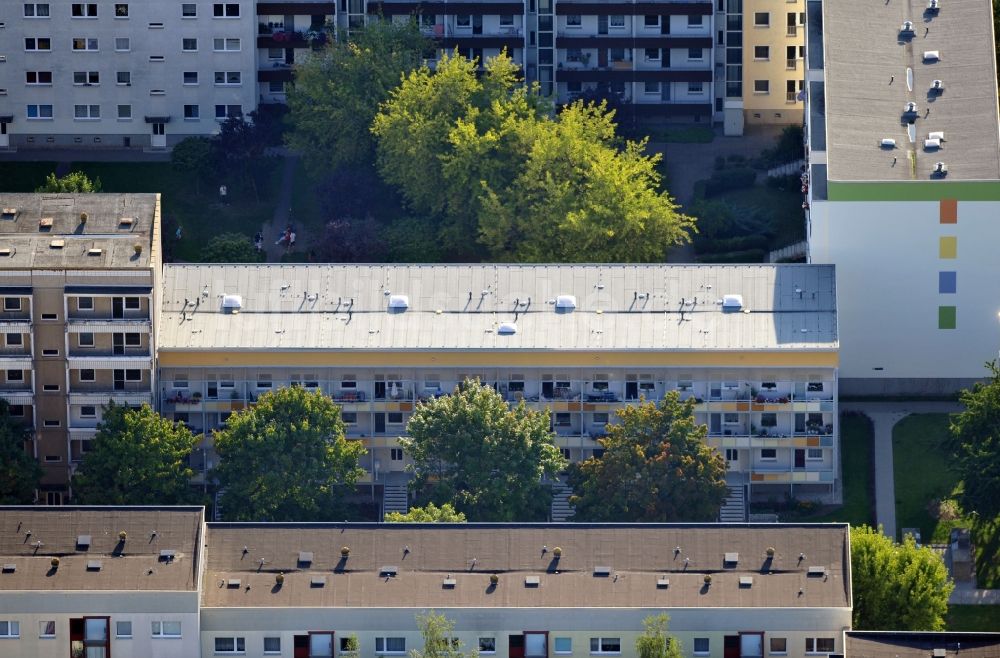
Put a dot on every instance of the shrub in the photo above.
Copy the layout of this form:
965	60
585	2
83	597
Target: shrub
729	179
748	256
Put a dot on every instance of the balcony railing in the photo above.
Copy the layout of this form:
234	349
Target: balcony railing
791	97
791	64
791	30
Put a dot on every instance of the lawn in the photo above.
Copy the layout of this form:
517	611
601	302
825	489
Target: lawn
972	618
186	202
782	207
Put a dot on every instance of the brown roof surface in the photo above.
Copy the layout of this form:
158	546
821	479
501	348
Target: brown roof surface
123	566
468	553
921	645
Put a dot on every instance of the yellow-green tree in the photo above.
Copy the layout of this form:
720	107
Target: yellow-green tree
429	513
656	641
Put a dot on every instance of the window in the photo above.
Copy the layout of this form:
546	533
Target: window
46	629
605	645
14	339
223	112
463	20
227	78
819	645
88	411
768	454
84	44
189	10
616	21
124	112
87	375
230	645
506	20
133	375
50	387
695	20
701	646
349	417
275	53
166	629
38	77
487	645
49	316
762	52
761	19
562	645
189	44
695	87
226	10
86	78
190	77
192	112
225	45
84	10
394	418
121	10
562	419
10	629
761	86
652	54
601	417
272	645
50	352
123	629
12	303
574	20
264	381
769	420
696	53
123	78
15	375
276	87
390	645
814	454
52	423
122	45
36	10
651	21
133	339
38	43
86	111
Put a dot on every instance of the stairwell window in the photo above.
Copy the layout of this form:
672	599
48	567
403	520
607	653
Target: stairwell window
574	20
761	19
695	20
616	21
778	646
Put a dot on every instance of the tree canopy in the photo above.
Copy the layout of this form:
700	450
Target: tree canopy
975	440
137	457
438	633
509	180
472	449
338	90
75	181
230	248
655	641
897	587
19	471
195	155
430	513
656	466
286	459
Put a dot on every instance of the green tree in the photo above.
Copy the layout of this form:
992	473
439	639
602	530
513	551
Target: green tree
471	448
194	155
230	248
655	641
430	513
19	471
286	459
137	457
338	90
438	633
897	587
655	467
243	144
975	440
75	181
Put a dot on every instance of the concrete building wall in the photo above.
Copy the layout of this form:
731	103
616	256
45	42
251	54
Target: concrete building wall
781	66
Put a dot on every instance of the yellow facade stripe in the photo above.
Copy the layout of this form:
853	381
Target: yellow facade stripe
819	359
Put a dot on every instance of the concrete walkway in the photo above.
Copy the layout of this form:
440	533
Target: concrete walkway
283	215
85	155
965	593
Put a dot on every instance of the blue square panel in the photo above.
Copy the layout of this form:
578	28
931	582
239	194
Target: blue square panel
947	282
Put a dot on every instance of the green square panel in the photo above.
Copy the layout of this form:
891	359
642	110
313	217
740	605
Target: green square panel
946	317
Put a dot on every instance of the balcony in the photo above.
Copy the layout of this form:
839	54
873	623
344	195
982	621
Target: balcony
791	65
574	39
93	325
295	8
17	397
442	7
624	72
283	39
791	30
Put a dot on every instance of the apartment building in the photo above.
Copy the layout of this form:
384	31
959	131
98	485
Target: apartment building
764	62
176	587
904	188
100	582
755	345
139	74
78	275
915	644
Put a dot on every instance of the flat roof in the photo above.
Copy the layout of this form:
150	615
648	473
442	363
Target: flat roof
917	644
601	565
464	307
867	60
30	536
43	231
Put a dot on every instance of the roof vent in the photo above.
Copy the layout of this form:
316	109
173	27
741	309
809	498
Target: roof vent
565	302
449	583
732	302
399	302
232	303
911	108
9	567
730	559
532	581
816	572
57	244
167	555
932	55
602	572
126	222
932	144
937	87
388	572
888	143
906	27
940	169
7	251
305	558
317	581
662	582
45	223
233	583
95	251
746	581
507	329
939	653
8	213
82	542
933	6
93	565
936	135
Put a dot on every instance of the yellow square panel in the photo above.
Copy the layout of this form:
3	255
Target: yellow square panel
948	247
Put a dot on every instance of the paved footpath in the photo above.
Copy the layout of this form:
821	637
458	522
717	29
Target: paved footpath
282	214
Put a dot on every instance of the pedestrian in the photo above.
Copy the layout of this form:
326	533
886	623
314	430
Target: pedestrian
291	239
178	232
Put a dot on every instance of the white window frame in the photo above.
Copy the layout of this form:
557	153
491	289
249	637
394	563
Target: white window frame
127	116
811	643
225	9
766	15
765	92
700	89
226	42
562	652
85	414
695	21
158	630
235	651
272	652
383	641
37	75
120	48
766	57
90	78
118	630
699	58
600	650
184	46
90	112
128	78
811	457
187	5
91	45
197	113
773	458
34	10
93	375
38	112
574	21
702	652
646	89
86	7
121	16
13	339
771	651
463	21
9	376
43	629
487	652
13	629
35	45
